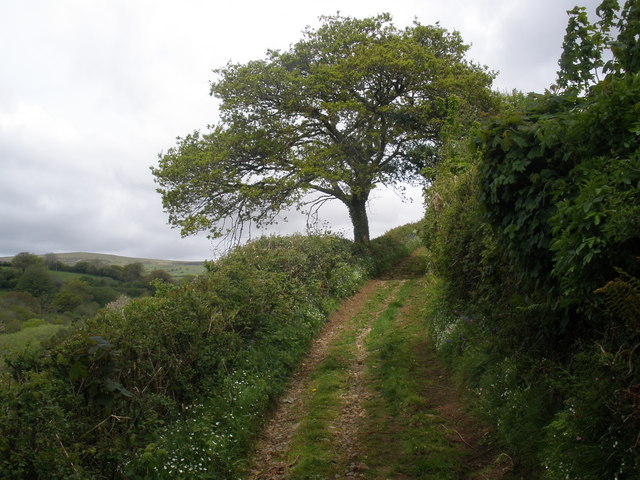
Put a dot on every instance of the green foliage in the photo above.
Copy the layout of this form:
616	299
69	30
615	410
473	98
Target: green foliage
461	247
460	244
158	274
9	277
388	249
473	317
595	435
24	260
37	281
65	297
354	104
623	299
626	48
33	322
66	301
179	383
538	176
536	246
76	295
30	335
21	299
104	295
52	261
561	186
132	272
34	435
586	45
596	228
583	47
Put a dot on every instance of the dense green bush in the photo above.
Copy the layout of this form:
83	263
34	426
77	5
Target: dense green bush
475	317
535	243
386	250
176	385
564	405
560	182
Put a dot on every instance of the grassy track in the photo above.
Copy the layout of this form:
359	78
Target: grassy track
317	442
377	405
404	434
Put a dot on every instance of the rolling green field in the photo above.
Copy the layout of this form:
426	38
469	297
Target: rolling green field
180	271
66	276
26	338
176	268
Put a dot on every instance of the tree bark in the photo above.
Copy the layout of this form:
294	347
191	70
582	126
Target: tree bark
358	213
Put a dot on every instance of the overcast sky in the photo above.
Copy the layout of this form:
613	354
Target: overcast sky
91	91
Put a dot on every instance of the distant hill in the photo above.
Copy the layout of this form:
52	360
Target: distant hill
175	267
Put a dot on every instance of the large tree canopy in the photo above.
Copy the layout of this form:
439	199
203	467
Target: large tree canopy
354	104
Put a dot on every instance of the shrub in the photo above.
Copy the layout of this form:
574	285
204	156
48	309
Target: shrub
180	380
535	244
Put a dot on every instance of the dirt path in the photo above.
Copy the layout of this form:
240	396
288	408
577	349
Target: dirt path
364	424
268	461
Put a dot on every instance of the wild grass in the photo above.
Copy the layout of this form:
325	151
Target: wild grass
404	434
11	343
500	388
314	450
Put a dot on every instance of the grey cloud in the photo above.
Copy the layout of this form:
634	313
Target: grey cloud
91	92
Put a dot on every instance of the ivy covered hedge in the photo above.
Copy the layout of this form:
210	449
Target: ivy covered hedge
177	385
535	241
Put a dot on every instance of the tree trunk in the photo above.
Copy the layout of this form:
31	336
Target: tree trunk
358	213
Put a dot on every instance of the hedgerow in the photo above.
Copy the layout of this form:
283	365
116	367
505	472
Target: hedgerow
536	250
177	385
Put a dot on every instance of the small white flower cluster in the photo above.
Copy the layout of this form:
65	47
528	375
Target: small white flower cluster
202	440
442	332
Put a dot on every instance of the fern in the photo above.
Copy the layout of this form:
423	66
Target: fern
623	299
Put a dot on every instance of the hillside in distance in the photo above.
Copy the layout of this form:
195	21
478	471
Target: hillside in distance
174	267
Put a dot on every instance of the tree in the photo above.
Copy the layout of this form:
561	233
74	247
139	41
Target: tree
587	44
153	278
72	294
132	272
158	274
78	287
24	260
37	281
52	261
21	299
9	277
354	104
66	301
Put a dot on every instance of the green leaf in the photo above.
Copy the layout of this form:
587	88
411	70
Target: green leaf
78	371
112	385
